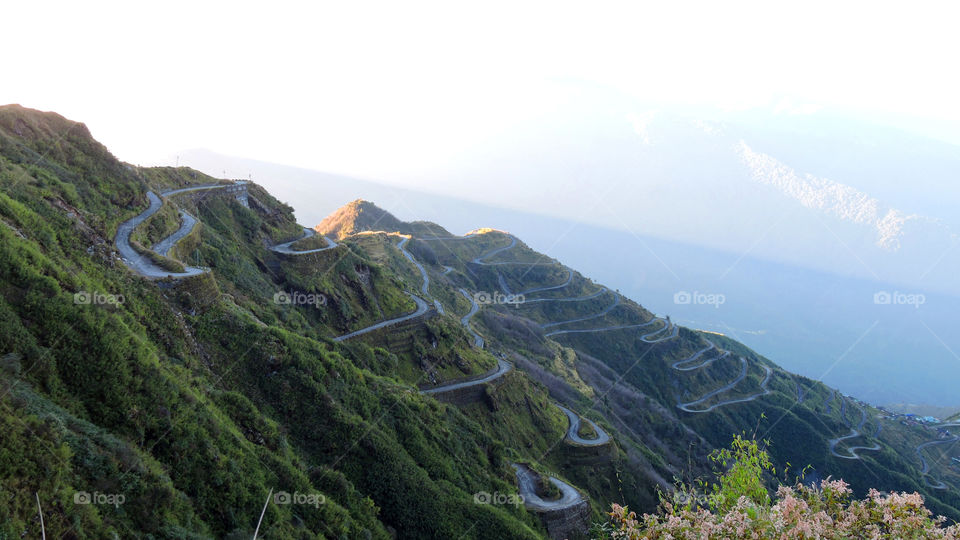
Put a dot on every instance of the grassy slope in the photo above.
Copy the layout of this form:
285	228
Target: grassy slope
203	396
798	431
208	394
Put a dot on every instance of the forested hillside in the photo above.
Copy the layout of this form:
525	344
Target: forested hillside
178	356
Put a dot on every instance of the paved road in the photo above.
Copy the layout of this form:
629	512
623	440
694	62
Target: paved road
187	224
465	321
423	271
527	486
843	411
503	283
447	269
573	433
204	187
566	282
445	238
667	325
439	306
678	365
422	308
503	367
925	470
487	255
829	402
743	373
604	329
142	264
307	233
608	309
590	296
854	432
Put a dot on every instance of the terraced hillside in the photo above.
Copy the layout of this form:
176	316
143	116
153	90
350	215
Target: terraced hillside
198	352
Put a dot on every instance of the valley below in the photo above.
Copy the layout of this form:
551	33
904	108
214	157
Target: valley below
421	383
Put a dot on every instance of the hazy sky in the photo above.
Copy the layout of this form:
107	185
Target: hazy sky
362	87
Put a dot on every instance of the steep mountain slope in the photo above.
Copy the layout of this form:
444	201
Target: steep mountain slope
396	381
193	398
667	387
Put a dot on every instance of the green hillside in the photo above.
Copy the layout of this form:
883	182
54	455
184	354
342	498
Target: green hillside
328	375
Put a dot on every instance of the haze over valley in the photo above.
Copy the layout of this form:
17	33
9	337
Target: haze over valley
510	270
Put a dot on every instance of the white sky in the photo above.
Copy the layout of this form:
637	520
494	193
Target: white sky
340	86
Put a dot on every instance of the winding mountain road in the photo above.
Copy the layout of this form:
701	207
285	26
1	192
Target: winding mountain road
465	320
401	245
491	253
503	367
204	187
686	407
843	411
187	224
503	284
422	305
604	329
829	402
527	486
925	470
307	233
854	432
573	433
422	308
675	330
608	309
590	296
679	364
925	467
800	392
506	288
142	264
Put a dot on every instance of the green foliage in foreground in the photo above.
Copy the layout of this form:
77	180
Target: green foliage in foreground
739	506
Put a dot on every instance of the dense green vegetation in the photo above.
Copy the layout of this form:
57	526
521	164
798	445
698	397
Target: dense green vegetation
195	399
738	505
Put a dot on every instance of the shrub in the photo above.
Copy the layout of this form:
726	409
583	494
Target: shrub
736	508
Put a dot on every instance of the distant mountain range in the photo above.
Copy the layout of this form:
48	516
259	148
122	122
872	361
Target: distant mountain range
798	257
381	379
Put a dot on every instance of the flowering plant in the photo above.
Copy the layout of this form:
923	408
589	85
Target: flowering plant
736	510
